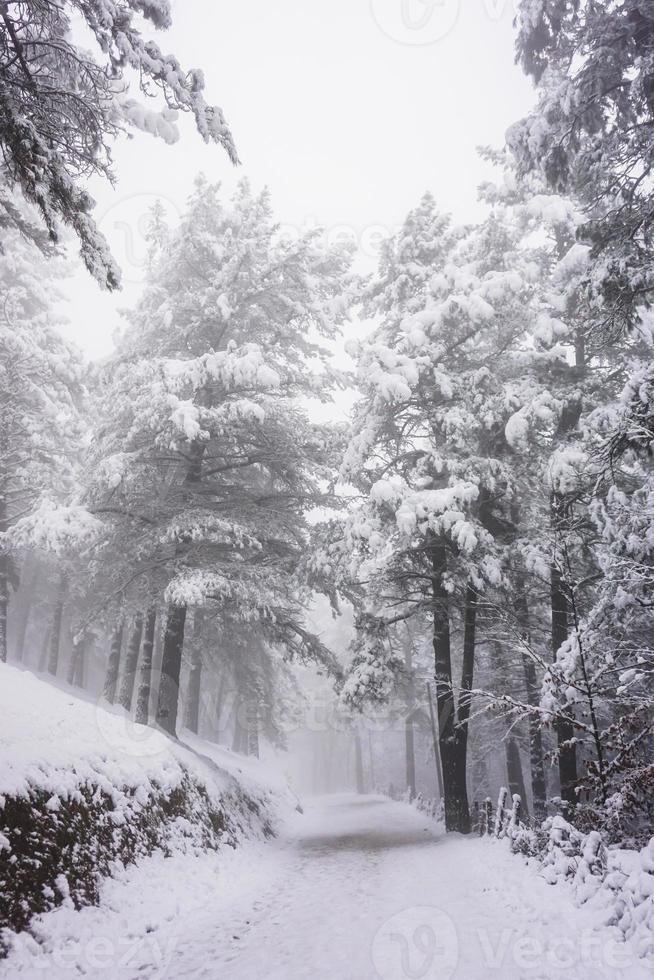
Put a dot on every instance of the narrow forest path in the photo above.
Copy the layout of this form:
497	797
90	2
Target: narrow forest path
367	888
356	888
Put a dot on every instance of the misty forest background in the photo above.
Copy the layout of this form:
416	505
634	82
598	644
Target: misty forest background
450	592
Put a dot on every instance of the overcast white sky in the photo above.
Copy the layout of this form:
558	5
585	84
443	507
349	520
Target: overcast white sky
348	110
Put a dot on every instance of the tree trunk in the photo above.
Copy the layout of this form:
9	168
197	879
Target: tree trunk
55	635
358	763
218	709
43	657
171	667
113	665
173	646
409	741
4	604
76	655
79	679
434	735
565	730
23	622
192	712
4	583
452	740
131	664
157	655
239	738
515	774
536	752
145	679
253	728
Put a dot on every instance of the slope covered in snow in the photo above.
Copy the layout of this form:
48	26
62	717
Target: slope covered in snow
84	792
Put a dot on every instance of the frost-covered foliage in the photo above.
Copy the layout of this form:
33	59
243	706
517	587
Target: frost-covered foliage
589	133
490	394
62	103
588	137
206	464
457	383
42	432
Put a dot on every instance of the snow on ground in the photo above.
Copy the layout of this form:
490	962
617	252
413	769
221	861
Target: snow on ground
356	888
54	740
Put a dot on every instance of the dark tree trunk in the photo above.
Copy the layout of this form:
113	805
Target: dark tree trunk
358	763
76	658
171	667
113	665
434	735
409	741
536	752
453	741
157	655
173	645
565	730
515	774
55	635
79	678
145	674
131	664
410	758
192	712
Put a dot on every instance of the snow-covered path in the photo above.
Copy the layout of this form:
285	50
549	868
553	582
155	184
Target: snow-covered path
369	889
357	888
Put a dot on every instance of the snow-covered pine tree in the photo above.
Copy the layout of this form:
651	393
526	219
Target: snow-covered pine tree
566	375
41	425
62	104
207	464
429	457
590	136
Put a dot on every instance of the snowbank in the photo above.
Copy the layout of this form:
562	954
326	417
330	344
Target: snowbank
84	792
616	884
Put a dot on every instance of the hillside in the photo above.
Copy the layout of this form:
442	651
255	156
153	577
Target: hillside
84	793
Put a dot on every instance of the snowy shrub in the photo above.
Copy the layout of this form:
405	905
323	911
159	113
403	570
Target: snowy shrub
633	896
82	796
57	849
620	881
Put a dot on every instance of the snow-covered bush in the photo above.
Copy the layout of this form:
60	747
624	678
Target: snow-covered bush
620	881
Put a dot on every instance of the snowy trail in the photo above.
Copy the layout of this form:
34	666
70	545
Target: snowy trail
366	888
357	888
